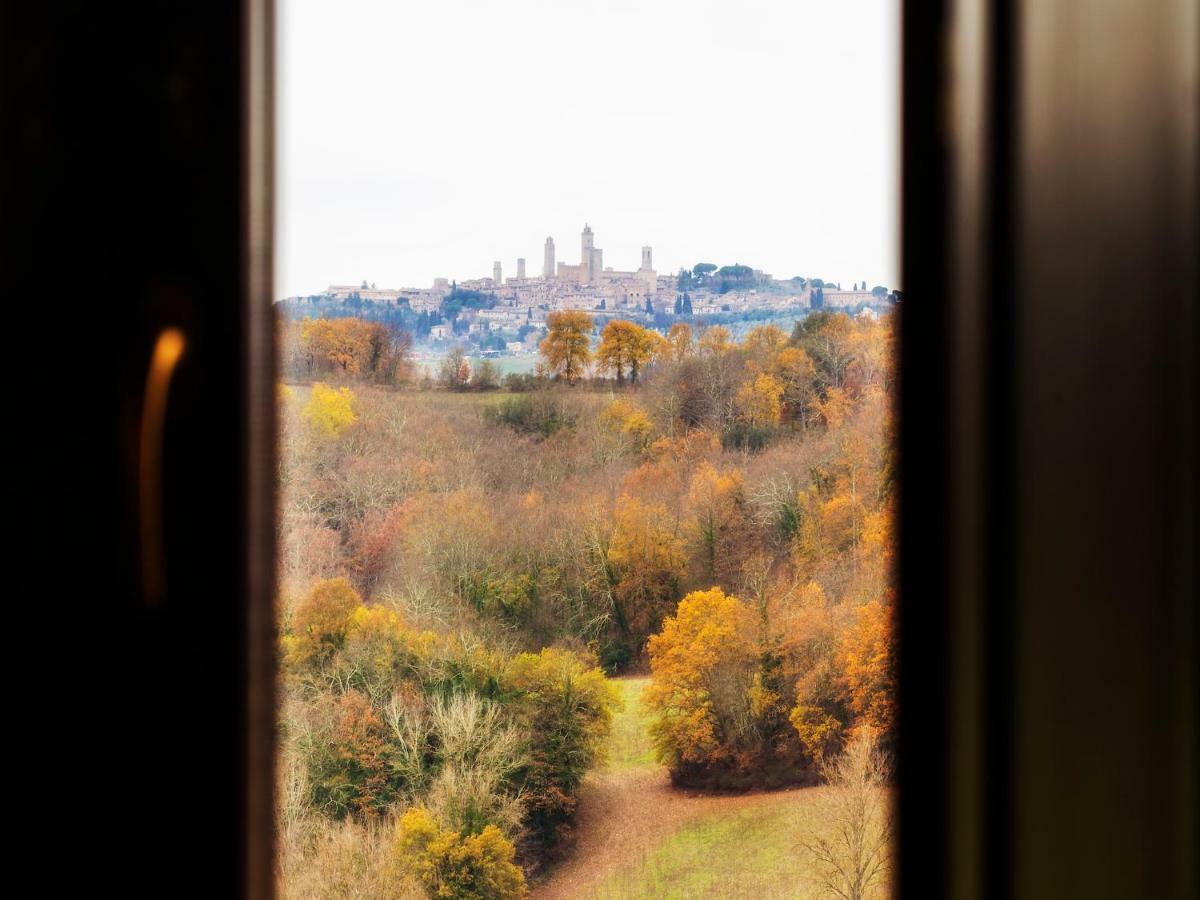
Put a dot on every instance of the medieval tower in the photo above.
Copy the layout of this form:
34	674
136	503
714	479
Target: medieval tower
587	255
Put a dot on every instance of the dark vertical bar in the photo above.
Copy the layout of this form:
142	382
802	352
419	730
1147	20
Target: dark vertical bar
1103	455
922	753
1000	426
259	363
124	212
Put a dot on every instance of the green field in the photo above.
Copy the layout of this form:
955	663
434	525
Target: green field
749	852
630	745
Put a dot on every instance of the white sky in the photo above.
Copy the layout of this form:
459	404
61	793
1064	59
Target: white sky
427	139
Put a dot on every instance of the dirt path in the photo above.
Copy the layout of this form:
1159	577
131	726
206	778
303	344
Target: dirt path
629	809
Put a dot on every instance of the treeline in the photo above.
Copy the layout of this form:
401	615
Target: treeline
346	348
745	391
720	280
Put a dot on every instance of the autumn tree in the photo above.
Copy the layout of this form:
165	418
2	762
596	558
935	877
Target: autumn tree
716	523
625	349
486	376
389	353
679	341
566	349
762	345
827	337
719	373
716	340
330	411
866	660
454	371
647	561
702	666
796	372
760	402
342	344
449	864
350	770
320	624
566	707
627	422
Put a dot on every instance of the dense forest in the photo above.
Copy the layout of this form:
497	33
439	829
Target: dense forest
464	568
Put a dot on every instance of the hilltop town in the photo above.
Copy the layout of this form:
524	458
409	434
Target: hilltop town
501	315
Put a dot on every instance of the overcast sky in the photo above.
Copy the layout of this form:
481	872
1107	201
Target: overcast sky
427	139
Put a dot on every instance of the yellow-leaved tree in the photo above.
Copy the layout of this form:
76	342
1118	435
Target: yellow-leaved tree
679	342
628	422
330	412
760	402
453	865
320	625
626	348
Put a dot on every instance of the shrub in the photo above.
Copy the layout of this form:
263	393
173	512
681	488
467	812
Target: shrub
566	709
349	764
451	865
532	413
320	624
330	412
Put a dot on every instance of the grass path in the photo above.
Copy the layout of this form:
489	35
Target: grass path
640	837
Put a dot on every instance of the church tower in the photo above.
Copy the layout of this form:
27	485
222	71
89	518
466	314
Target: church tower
496	274
587	258
548	262
647	265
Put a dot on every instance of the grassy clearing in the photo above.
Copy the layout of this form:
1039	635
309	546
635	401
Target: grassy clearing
744	853
749	852
629	744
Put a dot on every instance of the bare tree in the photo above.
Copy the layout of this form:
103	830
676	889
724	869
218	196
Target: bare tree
850	842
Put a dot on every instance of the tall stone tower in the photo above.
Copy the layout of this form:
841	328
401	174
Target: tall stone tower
496	281
587	258
548	262
521	267
647	265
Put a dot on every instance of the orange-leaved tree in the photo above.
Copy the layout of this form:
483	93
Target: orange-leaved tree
866	660
567	347
702	669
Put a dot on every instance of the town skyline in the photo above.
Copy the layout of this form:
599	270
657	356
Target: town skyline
417	141
561	255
